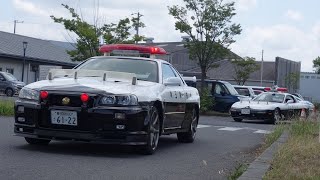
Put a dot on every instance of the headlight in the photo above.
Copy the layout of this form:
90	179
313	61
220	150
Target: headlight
26	93
124	100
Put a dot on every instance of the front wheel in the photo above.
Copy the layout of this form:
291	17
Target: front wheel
153	133
33	141
9	92
188	137
276	116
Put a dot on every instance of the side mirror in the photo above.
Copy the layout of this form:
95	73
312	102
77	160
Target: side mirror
172	81
290	101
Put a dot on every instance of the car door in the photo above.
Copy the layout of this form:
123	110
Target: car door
290	106
223	99
174	100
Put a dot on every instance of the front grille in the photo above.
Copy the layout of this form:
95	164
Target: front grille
75	101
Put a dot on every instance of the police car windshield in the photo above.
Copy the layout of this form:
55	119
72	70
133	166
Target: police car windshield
145	70
270	97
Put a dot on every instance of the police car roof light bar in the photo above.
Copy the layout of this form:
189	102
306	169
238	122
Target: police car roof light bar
132	47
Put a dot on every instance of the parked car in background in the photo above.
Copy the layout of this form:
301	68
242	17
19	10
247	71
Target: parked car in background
245	91
224	95
9	85
269	106
190	81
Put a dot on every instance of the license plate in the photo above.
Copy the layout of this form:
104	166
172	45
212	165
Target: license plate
245	111
64	118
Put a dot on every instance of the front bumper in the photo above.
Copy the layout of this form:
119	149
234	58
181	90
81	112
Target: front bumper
254	114
94	124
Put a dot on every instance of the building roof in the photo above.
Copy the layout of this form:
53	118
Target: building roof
37	49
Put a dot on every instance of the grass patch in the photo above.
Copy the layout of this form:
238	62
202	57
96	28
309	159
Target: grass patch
299	158
272	137
6	108
239	170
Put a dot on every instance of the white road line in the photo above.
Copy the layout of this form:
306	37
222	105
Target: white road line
229	129
262	132
203	126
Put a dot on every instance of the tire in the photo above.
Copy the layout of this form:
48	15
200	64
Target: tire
33	141
9	92
189	137
153	133
276	116
237	119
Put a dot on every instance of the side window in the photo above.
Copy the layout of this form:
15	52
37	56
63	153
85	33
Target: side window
167	72
225	89
289	98
218	89
177	74
9	70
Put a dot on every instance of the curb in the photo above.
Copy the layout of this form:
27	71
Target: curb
261	165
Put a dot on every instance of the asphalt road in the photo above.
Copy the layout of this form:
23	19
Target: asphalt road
220	146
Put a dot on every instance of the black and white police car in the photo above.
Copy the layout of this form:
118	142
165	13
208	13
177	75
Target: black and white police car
269	106
110	99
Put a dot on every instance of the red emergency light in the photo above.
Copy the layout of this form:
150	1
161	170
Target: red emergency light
282	89
132	47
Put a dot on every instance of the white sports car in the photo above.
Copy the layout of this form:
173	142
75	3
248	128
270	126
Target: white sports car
269	106
110	99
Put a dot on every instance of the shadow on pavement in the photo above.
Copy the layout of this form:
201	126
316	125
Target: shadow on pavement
99	150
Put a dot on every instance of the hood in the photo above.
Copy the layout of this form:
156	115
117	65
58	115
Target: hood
144	90
19	83
254	105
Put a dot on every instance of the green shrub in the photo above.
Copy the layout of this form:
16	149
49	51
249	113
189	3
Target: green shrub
206	101
6	108
316	105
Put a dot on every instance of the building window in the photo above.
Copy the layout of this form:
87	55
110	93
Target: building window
307	77
318	77
302	76
0	68
313	77
9	70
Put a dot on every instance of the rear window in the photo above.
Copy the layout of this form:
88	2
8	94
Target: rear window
243	91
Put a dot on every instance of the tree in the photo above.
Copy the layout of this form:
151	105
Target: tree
291	81
87	43
316	64
243	68
208	24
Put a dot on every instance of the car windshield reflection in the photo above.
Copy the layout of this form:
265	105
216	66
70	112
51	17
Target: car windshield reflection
270	97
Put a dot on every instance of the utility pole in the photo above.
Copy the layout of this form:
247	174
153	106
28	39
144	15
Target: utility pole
261	76
15	24
137	24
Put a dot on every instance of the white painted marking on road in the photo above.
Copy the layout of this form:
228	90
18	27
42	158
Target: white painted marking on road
202	126
262	132
229	129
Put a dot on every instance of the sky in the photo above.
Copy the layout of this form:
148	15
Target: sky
286	28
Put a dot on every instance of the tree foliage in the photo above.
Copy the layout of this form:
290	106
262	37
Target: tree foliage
243	69
292	82
316	64
87	42
211	31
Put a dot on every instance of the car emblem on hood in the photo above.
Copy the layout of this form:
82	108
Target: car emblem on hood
65	101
